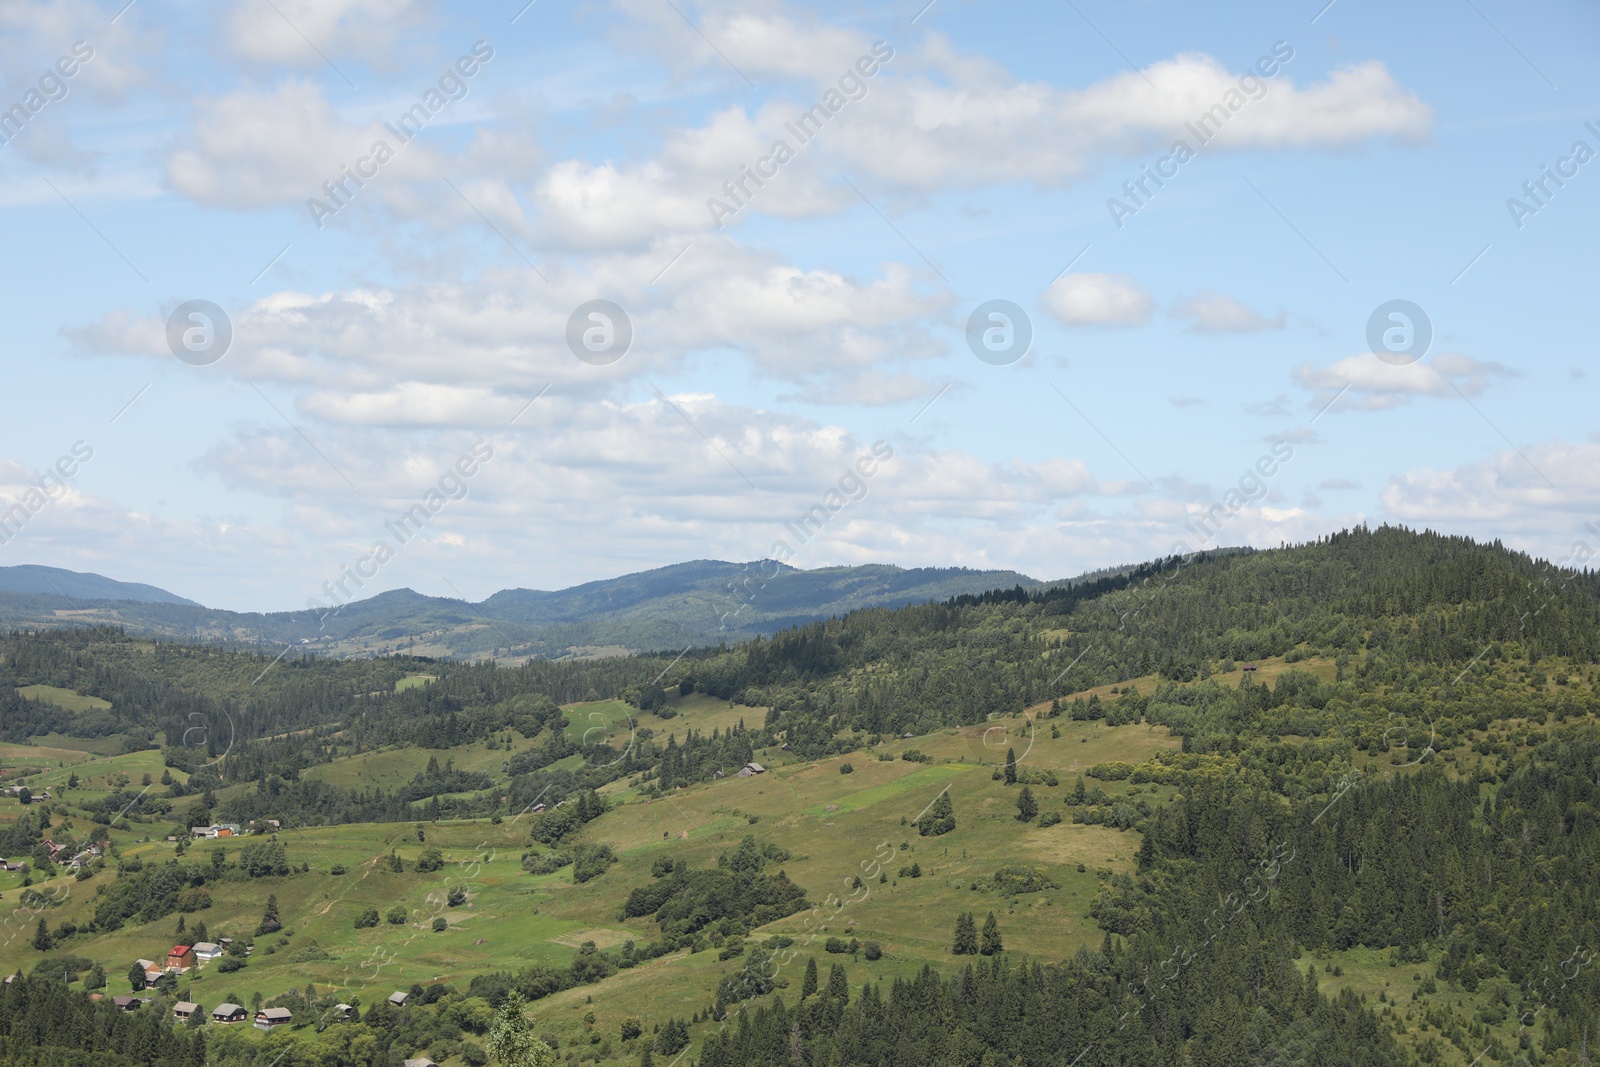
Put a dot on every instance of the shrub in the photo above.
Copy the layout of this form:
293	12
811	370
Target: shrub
431	860
845	768
440	925
367	918
1020	879
871	950
397	915
229	964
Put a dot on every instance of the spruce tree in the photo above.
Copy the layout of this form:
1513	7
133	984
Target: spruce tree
808	985
838	984
41	937
966	942
1011	766
1027	807
990	942
940	818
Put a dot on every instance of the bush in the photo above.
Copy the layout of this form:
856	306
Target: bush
845	768
397	915
431	860
1019	879
367	919
871	950
440	925
1050	818
229	964
338	870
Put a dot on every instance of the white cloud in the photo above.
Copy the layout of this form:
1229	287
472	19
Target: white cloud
1210	312
1374	384
1546	488
452	352
1099	300
316	33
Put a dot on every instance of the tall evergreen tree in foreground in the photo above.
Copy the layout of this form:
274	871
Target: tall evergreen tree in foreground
808	986
1027	807
966	942
990	943
940	818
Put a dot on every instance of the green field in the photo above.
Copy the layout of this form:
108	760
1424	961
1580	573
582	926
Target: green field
63	698
835	826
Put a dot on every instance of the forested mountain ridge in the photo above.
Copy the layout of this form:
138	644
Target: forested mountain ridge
700	602
1357	781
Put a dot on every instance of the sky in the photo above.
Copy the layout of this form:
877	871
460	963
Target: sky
581	289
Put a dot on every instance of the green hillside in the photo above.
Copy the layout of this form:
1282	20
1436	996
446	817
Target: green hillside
1335	803
705	602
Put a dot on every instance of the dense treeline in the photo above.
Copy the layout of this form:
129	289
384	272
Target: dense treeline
996	1014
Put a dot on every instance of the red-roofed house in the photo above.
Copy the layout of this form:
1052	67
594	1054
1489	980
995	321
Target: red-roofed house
180	959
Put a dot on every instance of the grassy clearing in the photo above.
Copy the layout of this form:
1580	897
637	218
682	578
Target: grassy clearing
62	698
413	681
835	827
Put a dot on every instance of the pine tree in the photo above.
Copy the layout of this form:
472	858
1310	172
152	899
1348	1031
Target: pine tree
940	818
838	984
1027	807
990	943
966	942
808	985
1011	766
269	918
41	937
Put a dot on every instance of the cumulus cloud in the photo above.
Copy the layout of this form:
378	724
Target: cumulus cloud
1369	383
442	353
1210	312
1543	487
315	33
1099	300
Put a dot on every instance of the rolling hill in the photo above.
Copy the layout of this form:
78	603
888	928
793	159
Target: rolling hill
703	602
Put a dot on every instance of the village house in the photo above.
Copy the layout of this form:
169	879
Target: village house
271	1018
184	1010
205	951
223	829
128	1003
228	1013
398	999
180	959
151	972
749	770
420	1061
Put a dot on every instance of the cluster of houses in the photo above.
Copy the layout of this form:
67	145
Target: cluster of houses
232	829
58	854
184	957
16	791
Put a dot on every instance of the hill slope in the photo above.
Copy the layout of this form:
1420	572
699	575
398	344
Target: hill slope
704	602
30	579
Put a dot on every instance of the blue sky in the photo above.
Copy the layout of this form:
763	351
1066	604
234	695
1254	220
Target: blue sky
1221	326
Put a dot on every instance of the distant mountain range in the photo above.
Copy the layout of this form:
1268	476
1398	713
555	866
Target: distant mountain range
703	602
78	585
